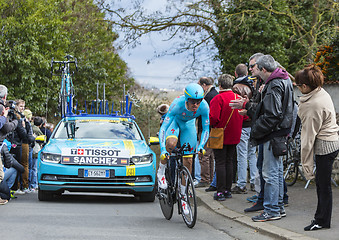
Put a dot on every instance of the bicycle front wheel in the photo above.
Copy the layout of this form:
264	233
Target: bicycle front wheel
188	200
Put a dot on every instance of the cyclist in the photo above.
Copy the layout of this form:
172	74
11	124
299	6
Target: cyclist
181	119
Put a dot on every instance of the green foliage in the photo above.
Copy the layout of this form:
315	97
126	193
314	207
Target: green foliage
34	31
230	31
248	29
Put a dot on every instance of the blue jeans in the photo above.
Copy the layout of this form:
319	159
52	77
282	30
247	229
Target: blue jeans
245	152
10	175
262	182
32	177
272	172
214	181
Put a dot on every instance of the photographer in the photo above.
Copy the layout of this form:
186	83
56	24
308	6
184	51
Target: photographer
6	126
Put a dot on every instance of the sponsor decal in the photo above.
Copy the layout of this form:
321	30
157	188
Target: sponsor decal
172	130
129	146
130	170
95	156
80	151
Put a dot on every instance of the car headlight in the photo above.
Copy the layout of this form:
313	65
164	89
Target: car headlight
143	159
49	157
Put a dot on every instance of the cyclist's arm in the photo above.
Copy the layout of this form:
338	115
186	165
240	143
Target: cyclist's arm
162	132
205	125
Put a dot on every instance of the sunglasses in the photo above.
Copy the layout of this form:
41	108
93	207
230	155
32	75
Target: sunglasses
252	65
194	101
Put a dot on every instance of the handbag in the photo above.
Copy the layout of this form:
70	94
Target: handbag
216	137
279	146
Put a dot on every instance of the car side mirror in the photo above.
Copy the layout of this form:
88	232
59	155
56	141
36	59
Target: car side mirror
41	139
153	141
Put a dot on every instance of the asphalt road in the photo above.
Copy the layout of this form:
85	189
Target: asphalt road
109	217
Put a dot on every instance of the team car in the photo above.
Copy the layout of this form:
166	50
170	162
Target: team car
97	153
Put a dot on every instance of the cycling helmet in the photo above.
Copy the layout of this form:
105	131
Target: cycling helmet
194	91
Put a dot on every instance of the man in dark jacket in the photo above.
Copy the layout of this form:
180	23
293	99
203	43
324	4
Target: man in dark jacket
206	161
272	122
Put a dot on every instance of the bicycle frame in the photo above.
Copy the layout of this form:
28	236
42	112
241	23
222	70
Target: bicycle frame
66	94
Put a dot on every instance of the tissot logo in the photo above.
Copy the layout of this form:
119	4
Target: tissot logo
80	151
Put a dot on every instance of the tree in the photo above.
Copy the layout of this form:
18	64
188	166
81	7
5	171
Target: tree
327	58
34	31
289	30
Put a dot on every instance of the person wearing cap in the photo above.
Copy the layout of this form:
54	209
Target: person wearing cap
162	109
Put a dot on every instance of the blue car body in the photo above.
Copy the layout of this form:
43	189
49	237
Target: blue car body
91	164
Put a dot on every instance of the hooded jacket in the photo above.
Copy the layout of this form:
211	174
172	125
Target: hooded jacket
274	113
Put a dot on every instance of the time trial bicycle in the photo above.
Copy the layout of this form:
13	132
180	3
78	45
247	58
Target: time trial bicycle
182	177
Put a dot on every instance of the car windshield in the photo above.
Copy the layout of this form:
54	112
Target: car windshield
97	129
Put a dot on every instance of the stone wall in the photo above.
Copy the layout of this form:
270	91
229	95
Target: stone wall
333	90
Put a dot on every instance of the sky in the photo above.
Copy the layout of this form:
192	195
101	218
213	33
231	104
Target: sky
159	72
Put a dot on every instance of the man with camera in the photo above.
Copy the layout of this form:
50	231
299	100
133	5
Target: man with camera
6	127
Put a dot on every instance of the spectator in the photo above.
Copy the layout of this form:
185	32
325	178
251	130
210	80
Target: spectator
319	137
222	116
162	109
44	129
4	190
25	139
32	167
243	86
50	126
206	162
272	122
11	167
249	107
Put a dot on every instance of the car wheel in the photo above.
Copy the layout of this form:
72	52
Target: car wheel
45	195
148	196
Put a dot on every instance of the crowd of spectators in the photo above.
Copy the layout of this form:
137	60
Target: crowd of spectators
19	150
259	115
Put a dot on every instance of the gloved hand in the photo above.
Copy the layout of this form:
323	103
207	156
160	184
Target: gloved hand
201	152
164	155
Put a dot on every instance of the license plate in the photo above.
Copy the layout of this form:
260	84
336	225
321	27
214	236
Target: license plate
96	173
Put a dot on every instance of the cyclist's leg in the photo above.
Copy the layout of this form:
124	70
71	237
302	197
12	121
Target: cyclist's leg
171	140
188	136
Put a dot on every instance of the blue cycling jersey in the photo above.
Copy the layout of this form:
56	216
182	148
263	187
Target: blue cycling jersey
180	120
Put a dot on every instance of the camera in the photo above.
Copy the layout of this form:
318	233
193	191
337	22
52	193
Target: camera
11	104
11	112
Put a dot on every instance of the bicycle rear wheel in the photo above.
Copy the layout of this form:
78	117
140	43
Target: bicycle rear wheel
190	218
166	198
